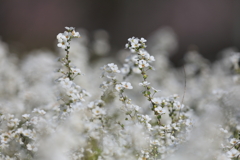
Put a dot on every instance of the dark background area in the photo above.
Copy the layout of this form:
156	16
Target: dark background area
211	25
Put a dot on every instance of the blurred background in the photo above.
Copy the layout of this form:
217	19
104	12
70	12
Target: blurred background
206	26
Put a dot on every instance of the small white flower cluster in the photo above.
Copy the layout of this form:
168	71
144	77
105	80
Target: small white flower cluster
140	62
231	147
73	91
135	44
109	71
96	108
123	85
22	132
160	105
65	37
146	119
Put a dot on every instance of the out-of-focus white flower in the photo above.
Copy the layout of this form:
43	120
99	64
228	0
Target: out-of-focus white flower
5	137
26	116
155	90
98	111
188	122
145	118
118	87
75	34
65	82
223	130
113	68
71	92
69	28
125	69
157	101
126	85
177	105
233	153
76	71
234	141
144	83
27	132
142	64
31	147
40	111
155	142
143	53
13	122
159	110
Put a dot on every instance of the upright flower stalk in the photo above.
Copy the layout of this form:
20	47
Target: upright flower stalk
74	94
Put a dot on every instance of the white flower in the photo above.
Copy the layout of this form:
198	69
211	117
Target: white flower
76	70
98	111
134	59
144	83
66	35
75	34
77	97
155	142
69	28
40	111
63	43
149	126
131	40
142	64
5	137
143	52
159	110
60	36
135	43
32	148
157	101
233	153
150	59
71	92
166	127
104	85
91	105
125	69
113	67
135	107
26	116
223	130
188	122
178	106
234	141
27	133
13	122
142	40
145	118
175	126
34	120
155	90
127	85
65	82
118	87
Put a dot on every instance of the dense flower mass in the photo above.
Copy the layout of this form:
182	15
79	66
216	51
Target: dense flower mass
119	112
